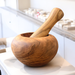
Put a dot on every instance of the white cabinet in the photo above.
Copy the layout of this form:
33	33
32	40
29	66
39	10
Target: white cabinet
18	4
70	51
61	41
24	25
9	24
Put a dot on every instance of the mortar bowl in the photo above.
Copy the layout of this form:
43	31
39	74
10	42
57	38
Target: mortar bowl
34	52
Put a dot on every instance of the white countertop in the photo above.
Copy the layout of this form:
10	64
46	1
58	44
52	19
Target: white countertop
58	66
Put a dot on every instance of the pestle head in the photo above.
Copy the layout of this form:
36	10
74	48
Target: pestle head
57	13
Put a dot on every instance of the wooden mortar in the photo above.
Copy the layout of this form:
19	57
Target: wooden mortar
38	48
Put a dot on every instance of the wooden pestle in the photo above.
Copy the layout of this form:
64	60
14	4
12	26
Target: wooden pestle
55	15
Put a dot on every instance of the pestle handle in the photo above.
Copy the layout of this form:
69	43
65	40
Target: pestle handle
55	15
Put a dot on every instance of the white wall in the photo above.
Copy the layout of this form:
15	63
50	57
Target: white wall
2	3
11	3
68	6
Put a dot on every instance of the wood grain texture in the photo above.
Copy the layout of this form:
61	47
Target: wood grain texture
55	15
39	48
34	51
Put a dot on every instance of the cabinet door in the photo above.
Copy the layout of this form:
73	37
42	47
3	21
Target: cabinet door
14	24
7	24
70	51
24	25
60	40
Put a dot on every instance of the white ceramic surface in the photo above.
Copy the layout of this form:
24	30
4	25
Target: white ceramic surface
58	66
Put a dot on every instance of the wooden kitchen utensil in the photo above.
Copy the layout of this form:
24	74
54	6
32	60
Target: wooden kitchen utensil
55	15
38	48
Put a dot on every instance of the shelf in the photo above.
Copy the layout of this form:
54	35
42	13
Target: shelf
65	33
